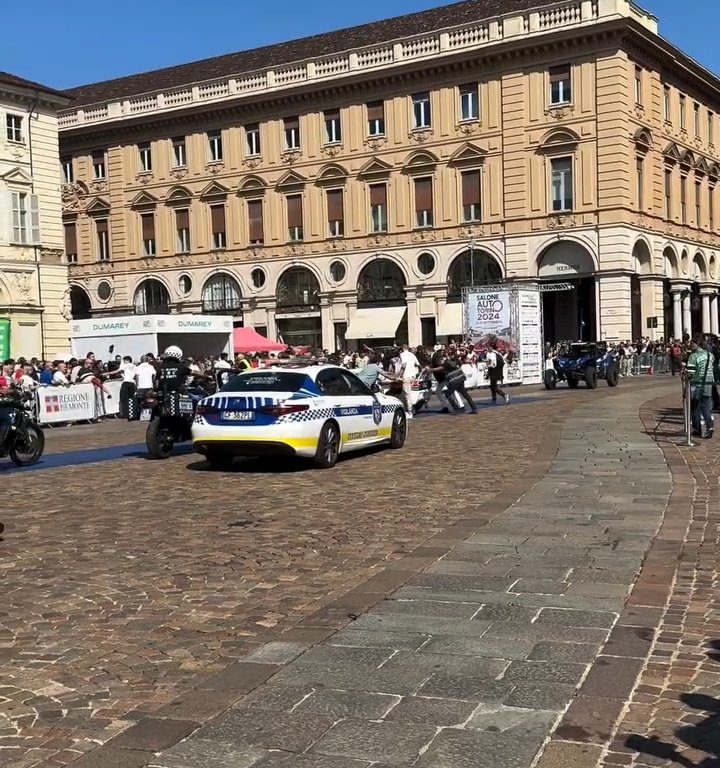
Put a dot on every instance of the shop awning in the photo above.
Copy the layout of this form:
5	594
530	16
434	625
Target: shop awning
375	323
450	322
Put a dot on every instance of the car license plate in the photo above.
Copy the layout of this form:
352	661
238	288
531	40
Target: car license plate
238	415
145	414
186	406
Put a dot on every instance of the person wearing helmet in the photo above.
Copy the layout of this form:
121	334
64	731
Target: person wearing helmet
174	371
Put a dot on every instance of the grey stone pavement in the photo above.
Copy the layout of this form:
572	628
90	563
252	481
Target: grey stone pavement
474	661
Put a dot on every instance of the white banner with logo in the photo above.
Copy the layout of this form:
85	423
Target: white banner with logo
62	404
488	317
110	403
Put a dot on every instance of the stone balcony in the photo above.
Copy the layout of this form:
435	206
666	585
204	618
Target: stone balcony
433	45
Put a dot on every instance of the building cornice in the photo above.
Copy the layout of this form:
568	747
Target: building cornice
434	47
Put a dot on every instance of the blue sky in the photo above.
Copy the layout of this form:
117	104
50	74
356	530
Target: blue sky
84	41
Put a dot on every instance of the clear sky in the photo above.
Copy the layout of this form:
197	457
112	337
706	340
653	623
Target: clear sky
82	41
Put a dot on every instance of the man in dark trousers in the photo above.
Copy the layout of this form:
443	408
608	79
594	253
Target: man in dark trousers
496	370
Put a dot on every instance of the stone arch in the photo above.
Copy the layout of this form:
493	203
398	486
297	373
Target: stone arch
332	172
298	289
565	258
80	303
699	268
178	194
472	266
671	263
381	281
222	294
642	257
559	137
152	297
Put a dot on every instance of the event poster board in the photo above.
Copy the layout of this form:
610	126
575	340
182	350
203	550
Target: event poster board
489	320
530	336
60	404
4	339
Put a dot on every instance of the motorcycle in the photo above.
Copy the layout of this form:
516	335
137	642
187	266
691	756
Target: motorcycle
422	389
170	416
20	435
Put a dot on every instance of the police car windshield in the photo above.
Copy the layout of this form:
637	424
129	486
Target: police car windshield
266	381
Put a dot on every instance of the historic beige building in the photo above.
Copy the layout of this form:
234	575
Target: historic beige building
346	187
34	293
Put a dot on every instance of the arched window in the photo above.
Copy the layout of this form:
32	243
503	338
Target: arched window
152	298
381	282
79	303
298	290
473	267
222	294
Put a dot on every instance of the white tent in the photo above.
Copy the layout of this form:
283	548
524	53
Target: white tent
136	335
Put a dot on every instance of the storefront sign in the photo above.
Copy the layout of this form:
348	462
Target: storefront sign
4	339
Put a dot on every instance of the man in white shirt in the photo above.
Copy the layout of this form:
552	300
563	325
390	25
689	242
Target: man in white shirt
145	375
410	371
222	364
128	387
60	378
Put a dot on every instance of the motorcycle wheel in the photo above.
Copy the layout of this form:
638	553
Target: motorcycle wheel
29	446
159	440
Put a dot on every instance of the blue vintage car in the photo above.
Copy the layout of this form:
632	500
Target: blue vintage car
586	362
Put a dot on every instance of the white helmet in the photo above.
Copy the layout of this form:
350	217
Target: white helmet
173	352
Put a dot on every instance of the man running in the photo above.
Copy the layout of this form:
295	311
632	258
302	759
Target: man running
496	368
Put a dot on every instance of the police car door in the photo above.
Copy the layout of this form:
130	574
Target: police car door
338	394
369	409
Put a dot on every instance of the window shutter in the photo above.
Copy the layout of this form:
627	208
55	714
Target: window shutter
471	188
332	114
294	210
16	233
6	231
101	226
423	195
182	219
335	205
70	239
217	218
376	110
255	216
292	122
557	74
148	226
378	194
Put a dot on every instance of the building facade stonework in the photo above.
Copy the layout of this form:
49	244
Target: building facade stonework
34	291
345	188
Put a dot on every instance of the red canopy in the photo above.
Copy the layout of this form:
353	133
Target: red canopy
249	340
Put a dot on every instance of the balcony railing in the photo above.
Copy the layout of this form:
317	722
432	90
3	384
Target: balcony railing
476	34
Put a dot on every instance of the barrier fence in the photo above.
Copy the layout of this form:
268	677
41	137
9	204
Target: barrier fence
77	403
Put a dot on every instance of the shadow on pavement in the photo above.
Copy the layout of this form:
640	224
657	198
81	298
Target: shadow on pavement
700	736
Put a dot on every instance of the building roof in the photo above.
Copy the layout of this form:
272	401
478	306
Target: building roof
20	82
316	46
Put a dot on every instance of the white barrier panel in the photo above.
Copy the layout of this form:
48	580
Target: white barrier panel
61	404
111	405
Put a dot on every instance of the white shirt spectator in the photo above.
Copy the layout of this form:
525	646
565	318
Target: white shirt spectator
222	365
411	363
145	374
128	372
59	379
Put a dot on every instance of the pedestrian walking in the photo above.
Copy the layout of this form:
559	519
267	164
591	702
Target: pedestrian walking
496	370
700	369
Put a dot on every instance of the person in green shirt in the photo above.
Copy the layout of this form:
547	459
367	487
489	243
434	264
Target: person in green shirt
700	369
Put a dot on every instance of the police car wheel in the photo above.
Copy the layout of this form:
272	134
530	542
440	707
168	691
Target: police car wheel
398	434
328	447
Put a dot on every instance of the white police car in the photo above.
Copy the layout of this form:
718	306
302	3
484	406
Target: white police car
316	412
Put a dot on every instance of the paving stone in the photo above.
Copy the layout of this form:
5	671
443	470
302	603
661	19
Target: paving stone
346	704
387	741
357	638
246	725
545	631
515	613
286	760
196	753
276	653
154	734
547	696
583	653
540	586
496	647
497	719
572	618
544	672
323	655
431	711
428	608
421	625
560	754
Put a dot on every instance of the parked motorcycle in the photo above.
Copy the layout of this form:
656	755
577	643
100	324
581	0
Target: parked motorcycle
171	416
20	435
